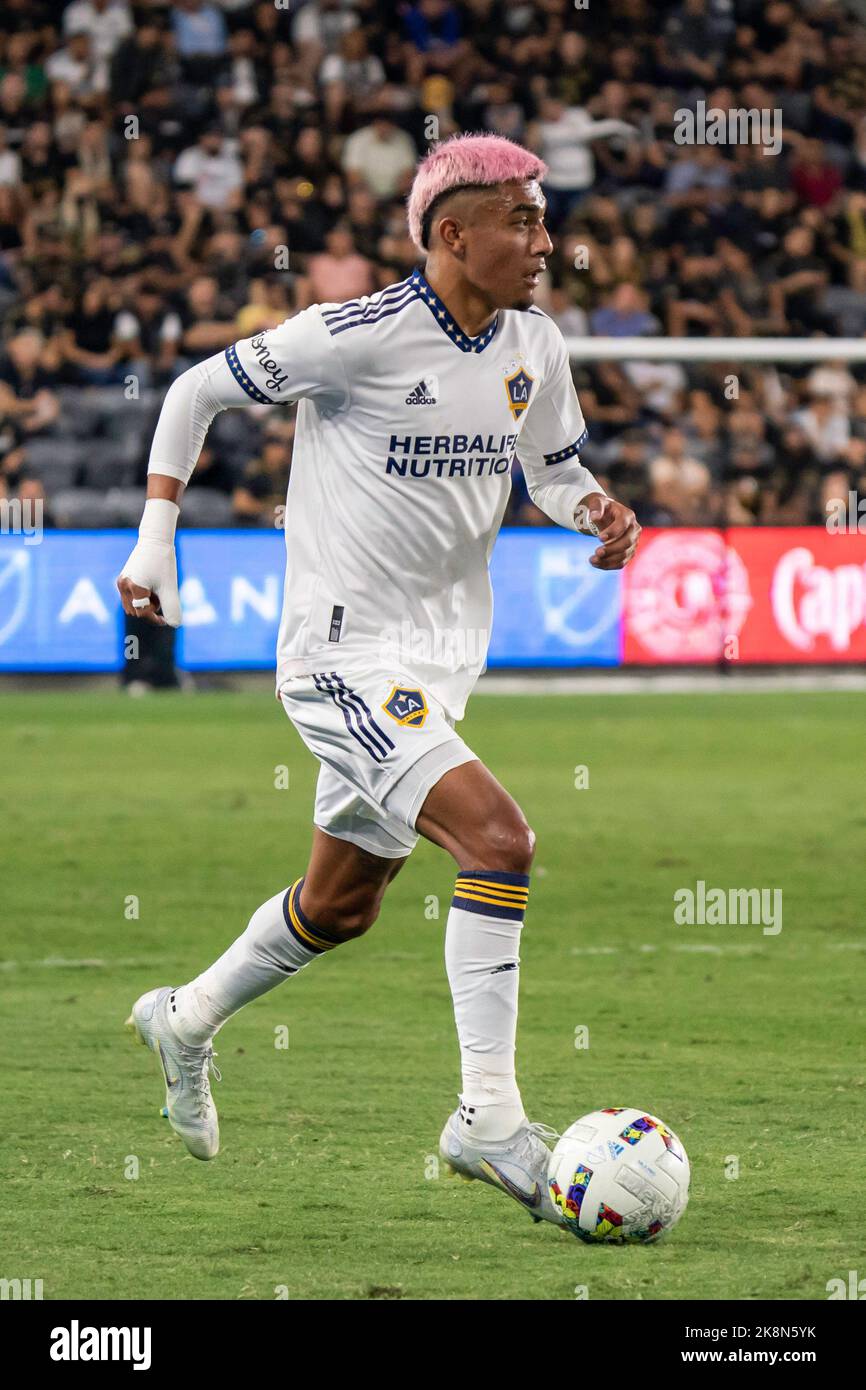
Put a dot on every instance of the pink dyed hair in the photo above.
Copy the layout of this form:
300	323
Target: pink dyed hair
467	159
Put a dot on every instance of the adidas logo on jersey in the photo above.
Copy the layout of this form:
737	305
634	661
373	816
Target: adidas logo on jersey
425	393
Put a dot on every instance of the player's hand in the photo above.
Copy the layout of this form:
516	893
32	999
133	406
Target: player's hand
147	584
616	527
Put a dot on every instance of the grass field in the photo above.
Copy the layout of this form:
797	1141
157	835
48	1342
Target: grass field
748	1045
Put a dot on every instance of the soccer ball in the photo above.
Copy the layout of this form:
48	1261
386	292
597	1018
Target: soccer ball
619	1175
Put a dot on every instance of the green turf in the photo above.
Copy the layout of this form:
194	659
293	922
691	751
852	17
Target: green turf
751	1046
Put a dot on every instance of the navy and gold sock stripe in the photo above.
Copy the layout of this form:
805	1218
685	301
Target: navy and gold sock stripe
492	892
299	924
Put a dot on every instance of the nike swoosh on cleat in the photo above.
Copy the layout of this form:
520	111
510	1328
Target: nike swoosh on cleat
529	1199
168	1081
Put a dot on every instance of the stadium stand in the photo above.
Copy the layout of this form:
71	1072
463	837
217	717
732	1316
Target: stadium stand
176	176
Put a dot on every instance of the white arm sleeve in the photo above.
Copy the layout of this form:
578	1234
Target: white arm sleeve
552	433
188	411
272	368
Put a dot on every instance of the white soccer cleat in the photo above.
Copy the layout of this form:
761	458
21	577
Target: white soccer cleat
517	1165
188	1101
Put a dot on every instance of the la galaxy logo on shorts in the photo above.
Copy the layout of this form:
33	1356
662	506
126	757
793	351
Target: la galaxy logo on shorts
408	707
518	384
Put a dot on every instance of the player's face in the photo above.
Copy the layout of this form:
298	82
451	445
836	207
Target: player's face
508	246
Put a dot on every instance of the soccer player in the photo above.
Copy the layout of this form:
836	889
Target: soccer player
412	405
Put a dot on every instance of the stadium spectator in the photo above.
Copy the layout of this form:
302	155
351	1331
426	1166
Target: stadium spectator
625	315
212	170
833	379
626	474
826	425
78	67
27	375
816	181
149	334
338	272
350	78
141	70
433	30
207	323
801	274
106	22
214	474
267	306
702	425
261	491
563	136
381	156
680	492
90	345
747	306
318	28
199	30
10	163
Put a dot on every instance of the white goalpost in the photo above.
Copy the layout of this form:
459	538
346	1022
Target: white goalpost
769	350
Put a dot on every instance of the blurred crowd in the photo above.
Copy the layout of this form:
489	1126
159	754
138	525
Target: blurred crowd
177	176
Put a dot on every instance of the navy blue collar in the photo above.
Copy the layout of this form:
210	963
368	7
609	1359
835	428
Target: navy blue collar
446	322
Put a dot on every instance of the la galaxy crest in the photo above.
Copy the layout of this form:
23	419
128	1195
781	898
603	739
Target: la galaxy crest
407	706
518	385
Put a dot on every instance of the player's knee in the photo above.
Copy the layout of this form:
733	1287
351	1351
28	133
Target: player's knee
354	921
508	844
348	916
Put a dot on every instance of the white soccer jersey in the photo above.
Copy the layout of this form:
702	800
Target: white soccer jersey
406	432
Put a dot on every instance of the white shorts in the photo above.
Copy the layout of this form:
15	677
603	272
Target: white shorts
383	743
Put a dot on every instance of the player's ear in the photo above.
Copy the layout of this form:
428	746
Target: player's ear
452	233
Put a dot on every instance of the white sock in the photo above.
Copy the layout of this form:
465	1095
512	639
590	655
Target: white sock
279	941
482	941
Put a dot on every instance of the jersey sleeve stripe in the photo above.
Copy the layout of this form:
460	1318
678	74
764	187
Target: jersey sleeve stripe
352	307
568	452
373	306
381	312
243	380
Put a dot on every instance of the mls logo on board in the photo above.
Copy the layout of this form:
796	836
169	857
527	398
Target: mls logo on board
580	606
406	706
519	387
15	591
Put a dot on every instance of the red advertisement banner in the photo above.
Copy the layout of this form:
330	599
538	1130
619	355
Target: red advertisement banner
787	594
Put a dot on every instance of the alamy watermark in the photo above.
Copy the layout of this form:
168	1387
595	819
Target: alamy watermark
719	907
854	1287
20	1289
22	517
83	1343
441	646
736	126
846	515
